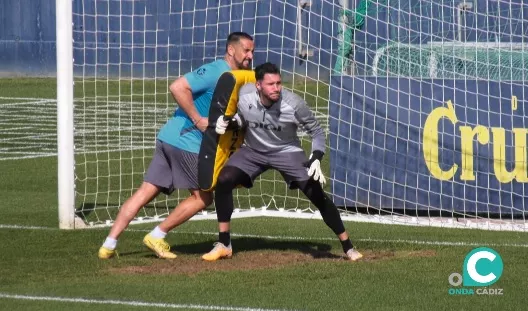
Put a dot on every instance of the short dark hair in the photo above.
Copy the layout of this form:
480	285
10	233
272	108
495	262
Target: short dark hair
235	37
265	68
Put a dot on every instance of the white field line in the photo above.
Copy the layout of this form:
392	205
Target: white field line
299	238
23	102
29	98
130	303
54	154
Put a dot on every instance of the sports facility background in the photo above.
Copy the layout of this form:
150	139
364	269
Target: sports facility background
405	78
29	47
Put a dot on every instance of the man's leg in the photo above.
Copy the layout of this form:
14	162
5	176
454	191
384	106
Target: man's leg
291	167
315	193
156	180
230	177
155	240
186	209
146	193
184	171
241	169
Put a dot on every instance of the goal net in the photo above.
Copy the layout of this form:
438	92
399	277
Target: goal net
453	60
339	56
126	54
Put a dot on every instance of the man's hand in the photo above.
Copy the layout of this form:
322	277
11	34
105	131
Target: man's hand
221	125
202	124
314	164
227	123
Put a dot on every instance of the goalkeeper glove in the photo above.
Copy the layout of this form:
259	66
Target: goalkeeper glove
221	125
314	165
227	123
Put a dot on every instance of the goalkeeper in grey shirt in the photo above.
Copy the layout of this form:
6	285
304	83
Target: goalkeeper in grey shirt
271	116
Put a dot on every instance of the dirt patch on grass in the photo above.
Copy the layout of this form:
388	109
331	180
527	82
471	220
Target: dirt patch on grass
253	260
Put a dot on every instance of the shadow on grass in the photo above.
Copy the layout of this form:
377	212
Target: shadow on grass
248	254
241	245
314	249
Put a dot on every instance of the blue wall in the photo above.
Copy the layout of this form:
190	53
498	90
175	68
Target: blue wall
161	37
143	37
147	32
27	37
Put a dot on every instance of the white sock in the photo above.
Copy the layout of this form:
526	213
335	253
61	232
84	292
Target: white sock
157	233
110	243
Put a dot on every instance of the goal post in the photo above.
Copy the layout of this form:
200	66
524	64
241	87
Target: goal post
65	129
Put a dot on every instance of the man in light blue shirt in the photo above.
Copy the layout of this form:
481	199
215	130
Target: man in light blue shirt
175	161
180	131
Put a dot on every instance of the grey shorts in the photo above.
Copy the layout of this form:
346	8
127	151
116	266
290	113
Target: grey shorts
289	164
172	168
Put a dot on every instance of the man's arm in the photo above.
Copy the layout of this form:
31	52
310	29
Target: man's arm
307	120
181	92
193	83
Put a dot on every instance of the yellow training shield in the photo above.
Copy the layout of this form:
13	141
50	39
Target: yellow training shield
216	149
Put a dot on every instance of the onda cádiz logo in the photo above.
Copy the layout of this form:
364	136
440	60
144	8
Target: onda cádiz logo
482	267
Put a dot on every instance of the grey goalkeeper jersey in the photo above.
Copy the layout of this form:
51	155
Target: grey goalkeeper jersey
274	129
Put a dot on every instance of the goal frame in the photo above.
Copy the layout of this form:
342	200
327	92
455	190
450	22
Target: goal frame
65	134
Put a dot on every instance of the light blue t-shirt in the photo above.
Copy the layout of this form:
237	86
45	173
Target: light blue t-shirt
179	131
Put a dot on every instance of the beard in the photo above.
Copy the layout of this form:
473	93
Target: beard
244	64
273	98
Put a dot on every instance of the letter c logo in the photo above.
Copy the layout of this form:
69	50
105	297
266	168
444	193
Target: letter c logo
482	267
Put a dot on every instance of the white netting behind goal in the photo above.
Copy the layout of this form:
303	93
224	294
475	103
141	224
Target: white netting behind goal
126	55
373	72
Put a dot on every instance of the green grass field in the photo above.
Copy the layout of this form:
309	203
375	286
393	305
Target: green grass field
282	264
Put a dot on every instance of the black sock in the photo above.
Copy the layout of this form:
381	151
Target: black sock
224	238
347	244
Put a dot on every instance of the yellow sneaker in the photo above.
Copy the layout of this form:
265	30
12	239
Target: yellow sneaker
106	253
219	251
353	255
159	246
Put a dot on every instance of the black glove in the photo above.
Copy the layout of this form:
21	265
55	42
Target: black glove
316	155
